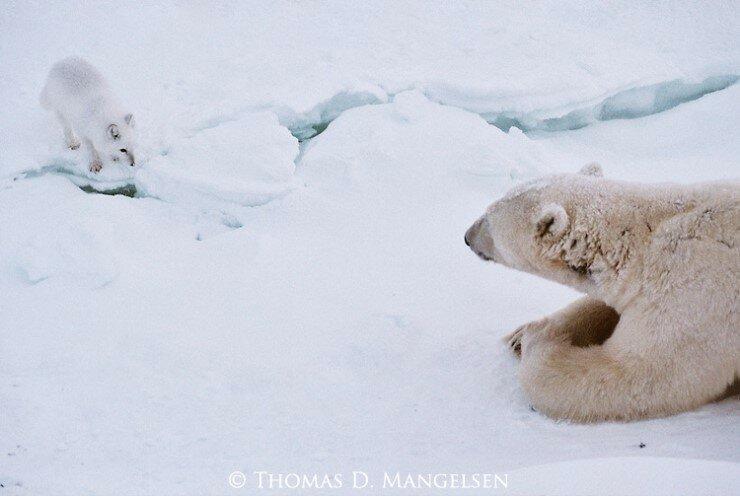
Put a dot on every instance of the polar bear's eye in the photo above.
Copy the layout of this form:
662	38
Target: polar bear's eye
123	150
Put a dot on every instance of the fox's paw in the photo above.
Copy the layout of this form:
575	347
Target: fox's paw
74	144
96	166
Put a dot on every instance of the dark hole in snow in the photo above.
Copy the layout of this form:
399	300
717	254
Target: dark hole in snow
307	132
319	128
316	120
642	445
126	190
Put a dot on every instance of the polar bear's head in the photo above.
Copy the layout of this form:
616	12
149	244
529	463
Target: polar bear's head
541	227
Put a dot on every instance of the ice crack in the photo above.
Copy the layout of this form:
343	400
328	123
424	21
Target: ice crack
631	103
628	104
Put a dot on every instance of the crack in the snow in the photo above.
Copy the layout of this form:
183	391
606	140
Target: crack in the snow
313	122
628	104
632	103
125	187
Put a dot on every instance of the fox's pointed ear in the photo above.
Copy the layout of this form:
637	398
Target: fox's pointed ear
129	118
113	131
592	169
552	220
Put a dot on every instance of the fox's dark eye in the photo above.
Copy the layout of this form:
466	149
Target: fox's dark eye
123	150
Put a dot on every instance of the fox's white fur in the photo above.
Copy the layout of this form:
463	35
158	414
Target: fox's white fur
659	330
80	98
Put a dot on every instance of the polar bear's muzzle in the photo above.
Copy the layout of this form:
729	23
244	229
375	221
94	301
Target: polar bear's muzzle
479	240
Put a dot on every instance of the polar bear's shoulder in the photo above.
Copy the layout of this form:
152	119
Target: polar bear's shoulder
709	222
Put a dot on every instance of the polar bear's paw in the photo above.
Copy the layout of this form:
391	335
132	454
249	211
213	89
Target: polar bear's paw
514	340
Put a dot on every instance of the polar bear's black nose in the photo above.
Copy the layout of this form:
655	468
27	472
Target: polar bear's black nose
472	232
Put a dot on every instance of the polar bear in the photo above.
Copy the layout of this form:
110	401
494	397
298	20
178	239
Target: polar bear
80	98
658	331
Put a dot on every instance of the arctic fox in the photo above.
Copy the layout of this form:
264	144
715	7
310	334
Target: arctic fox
79	96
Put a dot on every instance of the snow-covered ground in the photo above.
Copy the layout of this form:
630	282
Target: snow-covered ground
270	302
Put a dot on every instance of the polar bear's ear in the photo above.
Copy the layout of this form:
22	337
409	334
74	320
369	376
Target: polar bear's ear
592	169
552	220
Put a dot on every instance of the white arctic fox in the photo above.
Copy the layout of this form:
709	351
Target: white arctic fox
79	96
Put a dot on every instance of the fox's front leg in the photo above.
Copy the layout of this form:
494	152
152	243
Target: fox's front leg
73	142
584	322
95	163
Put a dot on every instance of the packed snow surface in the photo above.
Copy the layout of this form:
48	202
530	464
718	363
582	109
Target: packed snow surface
252	303
249	161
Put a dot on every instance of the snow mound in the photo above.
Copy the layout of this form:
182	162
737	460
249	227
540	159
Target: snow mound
413	138
248	161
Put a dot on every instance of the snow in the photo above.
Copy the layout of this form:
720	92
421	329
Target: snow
411	138
691	143
250	161
259	304
631	475
627	104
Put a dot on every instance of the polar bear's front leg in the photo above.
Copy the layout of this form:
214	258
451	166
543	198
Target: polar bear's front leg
584	322
579	384
632	380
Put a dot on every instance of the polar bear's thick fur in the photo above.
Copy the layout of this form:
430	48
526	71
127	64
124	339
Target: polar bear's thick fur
658	332
80	98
